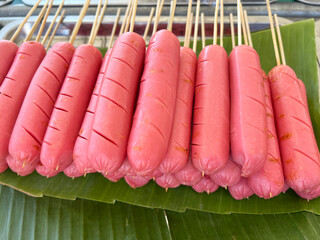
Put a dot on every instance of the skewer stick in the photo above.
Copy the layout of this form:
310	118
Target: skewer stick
125	18
78	24
243	26
36	23
232	31
173	9
157	13
195	34
44	22
55	29
100	18
24	21
190	29
95	23
52	23
187	30
129	17
134	15
215	30
274	40
239	23
146	31
114	28
221	23
155	26
203	33
187	24
283	58
247	27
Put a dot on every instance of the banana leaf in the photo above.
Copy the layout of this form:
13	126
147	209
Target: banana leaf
299	44
23	217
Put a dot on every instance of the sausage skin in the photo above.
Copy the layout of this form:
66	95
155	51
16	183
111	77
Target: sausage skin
249	141
153	118
80	151
177	154
13	91
268	182
210	131
28	132
70	108
8	51
298	146
114	111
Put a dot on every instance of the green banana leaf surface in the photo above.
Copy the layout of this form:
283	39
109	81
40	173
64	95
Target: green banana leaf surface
23	217
300	51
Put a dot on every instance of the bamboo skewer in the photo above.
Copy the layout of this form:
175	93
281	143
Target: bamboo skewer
243	24
100	17
248	28
221	23
155	26
274	40
215	24
173	9
186	44
146	31
96	17
44	21
283	58
114	28
14	36
55	29
36	23
78	24
94	23
134	15
239	22
129	17
125	18
190	28
232	31
196	26
52	23
203	31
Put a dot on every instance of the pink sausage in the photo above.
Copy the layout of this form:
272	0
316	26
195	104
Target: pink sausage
72	171
28	132
42	170
153	118
303	92
285	187
241	190
136	181
177	154
114	111
167	181
80	151
249	140
70	108
205	185
228	176
13	91
8	51
298	146
210	136
315	193
117	175
189	175
268	182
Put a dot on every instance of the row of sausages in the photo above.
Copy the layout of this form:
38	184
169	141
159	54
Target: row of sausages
136	114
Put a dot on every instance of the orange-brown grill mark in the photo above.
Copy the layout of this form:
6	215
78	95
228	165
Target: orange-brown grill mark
285	136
